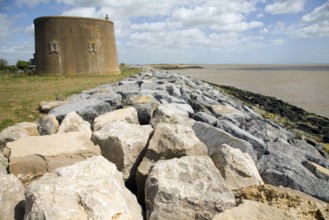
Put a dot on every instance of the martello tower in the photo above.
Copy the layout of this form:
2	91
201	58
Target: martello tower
74	45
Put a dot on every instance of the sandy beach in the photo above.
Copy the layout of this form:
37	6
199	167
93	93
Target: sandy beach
305	86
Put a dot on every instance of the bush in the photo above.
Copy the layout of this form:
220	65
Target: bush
3	64
21	64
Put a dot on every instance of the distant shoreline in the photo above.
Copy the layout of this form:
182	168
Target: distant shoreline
305	86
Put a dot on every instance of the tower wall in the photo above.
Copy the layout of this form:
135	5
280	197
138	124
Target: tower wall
73	45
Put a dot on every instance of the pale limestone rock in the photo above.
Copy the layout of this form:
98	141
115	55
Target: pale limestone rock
90	189
225	110
214	137
34	156
3	164
46	106
319	171
23	129
237	168
186	188
168	141
127	114
251	210
48	125
74	123
173	114
12	200
122	143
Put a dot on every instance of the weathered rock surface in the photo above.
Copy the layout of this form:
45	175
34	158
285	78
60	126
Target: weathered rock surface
88	109
186	188
251	210
173	114
237	168
48	125
46	106
283	165
215	137
298	204
91	189
204	117
74	123
123	144
12	200
128	114
34	156
227	111
168	141
3	164
23	129
257	143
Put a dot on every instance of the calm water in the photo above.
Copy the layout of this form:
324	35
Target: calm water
305	86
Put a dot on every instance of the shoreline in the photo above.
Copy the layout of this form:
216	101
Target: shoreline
305	88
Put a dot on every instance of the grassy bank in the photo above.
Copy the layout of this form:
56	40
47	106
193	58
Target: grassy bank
20	95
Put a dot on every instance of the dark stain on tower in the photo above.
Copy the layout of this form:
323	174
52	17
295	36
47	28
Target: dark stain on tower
74	45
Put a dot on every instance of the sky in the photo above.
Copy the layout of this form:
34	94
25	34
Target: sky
185	31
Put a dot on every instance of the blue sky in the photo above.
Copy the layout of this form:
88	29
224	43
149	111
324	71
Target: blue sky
185	31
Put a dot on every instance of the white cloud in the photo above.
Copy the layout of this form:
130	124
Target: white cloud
316	24
285	7
31	3
319	14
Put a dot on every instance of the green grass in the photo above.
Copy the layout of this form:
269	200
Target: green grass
20	95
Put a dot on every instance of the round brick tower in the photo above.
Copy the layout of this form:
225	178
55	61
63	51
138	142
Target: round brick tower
74	45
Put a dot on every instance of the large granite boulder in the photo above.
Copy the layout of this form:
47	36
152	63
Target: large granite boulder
284	165
214	137
204	117
12	200
237	168
228	111
252	210
257	143
173	114
186	188
123	144
74	123
88	109
145	106
34	156
48	125
127	114
23	129
46	106
168	141
91	189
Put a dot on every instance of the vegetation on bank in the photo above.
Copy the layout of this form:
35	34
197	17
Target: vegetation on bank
21	94
297	120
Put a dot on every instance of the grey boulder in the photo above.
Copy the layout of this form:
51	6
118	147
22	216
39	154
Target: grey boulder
12	200
48	125
214	137
237	168
186	188
90	189
123	143
88	109
74	123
